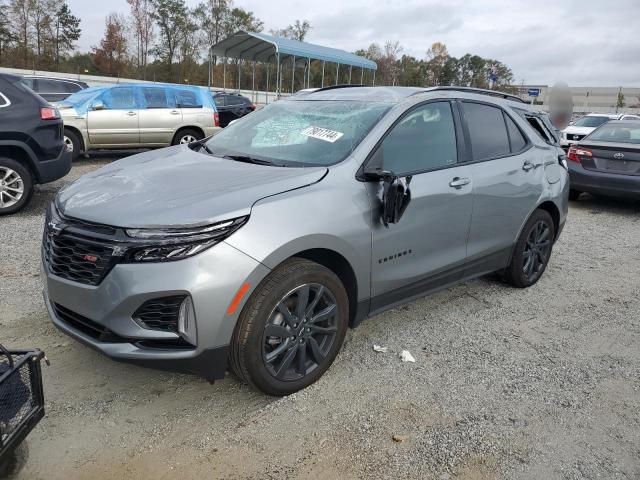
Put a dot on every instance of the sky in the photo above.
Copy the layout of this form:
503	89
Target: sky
581	42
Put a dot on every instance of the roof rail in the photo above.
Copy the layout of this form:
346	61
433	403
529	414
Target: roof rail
481	91
344	85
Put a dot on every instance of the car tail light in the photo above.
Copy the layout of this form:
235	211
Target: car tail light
252	107
575	153
49	113
216	119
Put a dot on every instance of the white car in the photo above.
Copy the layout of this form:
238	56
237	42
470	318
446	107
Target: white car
587	124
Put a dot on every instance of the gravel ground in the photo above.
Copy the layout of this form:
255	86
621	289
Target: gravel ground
528	384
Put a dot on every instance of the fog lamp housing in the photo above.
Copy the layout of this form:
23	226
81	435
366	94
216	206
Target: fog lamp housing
187	328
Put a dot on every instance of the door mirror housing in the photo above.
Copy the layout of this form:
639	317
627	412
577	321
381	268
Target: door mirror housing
97	105
396	196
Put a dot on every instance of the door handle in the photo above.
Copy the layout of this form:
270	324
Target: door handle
458	182
526	166
131	114
174	112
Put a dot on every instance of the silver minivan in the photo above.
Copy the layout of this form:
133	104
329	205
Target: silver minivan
127	116
259	247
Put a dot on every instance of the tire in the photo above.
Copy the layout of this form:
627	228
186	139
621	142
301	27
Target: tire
16	186
532	251
574	195
74	143
187	135
254	356
15	462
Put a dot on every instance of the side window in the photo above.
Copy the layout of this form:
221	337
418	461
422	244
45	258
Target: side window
155	97
49	86
187	99
27	82
518	142
487	131
71	87
219	100
424	139
120	98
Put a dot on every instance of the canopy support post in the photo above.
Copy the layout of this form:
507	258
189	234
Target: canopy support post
224	74
337	72
253	83
266	93
374	78
293	72
350	68
322	82
362	76
278	75
239	71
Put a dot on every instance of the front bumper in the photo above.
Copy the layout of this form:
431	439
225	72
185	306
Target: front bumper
51	170
211	278
612	184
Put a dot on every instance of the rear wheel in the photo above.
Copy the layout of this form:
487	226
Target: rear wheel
185	136
532	251
14	462
16	186
574	195
291	329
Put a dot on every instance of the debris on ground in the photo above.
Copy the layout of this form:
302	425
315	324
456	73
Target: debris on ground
380	349
405	356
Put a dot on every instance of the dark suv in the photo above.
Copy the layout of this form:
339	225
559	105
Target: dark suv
32	148
53	89
232	106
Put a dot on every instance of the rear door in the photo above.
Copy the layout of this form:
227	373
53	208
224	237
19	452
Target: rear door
115	125
159	116
427	247
508	176
191	105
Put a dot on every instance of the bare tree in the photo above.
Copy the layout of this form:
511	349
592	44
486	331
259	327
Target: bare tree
20	12
143	31
298	31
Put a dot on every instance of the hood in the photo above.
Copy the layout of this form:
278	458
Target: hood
176	187
578	130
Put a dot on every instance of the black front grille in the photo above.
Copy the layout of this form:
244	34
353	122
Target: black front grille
571	136
160	313
75	258
85	325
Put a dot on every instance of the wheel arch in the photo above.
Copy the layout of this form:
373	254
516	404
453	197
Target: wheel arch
187	127
79	134
552	209
21	153
339	265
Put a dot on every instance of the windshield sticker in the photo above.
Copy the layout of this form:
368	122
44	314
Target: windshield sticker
322	134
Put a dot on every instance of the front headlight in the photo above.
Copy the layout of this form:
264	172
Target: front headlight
168	244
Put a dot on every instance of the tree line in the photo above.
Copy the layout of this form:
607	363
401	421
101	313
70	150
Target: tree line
166	40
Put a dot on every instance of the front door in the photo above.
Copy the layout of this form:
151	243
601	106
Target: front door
426	249
115	124
159	117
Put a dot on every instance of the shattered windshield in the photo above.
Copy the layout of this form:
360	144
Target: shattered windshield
300	133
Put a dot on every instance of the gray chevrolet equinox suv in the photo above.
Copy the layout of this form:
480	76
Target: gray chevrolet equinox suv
258	247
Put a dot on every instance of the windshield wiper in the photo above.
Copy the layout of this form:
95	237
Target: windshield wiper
248	159
202	144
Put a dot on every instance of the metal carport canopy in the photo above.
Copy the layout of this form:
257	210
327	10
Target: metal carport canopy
263	48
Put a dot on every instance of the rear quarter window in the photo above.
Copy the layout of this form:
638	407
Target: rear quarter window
4	101
188	99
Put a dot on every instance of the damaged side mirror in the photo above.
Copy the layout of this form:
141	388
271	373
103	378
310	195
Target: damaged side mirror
396	194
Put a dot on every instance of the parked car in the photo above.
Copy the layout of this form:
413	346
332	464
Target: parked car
232	106
587	124
32	149
260	246
53	89
607	161
137	116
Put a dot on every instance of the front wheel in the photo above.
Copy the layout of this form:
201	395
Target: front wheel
73	143
291	329
532	251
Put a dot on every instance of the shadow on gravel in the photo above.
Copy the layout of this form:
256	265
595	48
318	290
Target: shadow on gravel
600	204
